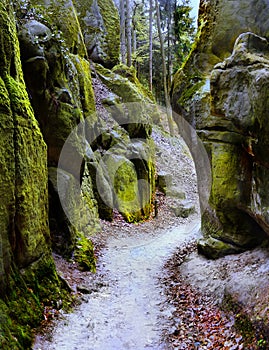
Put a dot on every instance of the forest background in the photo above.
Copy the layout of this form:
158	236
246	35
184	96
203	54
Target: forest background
156	38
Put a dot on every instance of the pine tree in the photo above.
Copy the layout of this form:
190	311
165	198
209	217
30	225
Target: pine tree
184	32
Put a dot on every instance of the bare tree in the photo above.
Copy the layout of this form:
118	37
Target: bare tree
129	33
122	32
166	93
150	43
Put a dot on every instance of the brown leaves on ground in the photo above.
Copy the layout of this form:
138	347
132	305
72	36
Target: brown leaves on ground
196	323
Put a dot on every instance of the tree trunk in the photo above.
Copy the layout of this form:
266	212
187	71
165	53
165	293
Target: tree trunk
122	32
150	43
169	56
166	94
129	33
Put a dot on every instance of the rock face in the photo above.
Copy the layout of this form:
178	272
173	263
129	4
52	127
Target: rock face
62	165
27	272
58	79
99	20
227	103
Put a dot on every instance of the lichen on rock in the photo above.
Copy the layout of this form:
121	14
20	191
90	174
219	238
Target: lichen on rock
99	21
47	102
226	103
24	237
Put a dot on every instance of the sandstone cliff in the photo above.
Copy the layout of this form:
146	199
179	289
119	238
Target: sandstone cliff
227	103
50	201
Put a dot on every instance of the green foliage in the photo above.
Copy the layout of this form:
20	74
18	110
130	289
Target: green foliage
111	21
184	32
178	31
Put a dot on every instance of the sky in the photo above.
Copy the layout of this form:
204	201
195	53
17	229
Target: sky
195	5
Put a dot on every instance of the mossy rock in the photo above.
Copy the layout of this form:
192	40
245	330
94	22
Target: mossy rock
7	188
99	21
60	88
214	248
137	112
28	275
131	74
124	182
102	189
22	309
50	13
142	155
85	87
84	253
74	217
31	174
121	85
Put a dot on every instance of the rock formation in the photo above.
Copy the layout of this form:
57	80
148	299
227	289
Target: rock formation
27	271
49	200
101	30
222	91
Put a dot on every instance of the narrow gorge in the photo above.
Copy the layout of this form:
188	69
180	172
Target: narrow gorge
90	176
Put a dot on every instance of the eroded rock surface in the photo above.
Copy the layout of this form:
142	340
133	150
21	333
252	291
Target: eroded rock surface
99	22
46	95
227	103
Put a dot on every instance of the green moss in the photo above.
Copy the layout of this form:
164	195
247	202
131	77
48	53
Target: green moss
112	24
20	103
7	181
22	309
85	87
68	32
31	177
121	85
225	176
193	88
84	253
12	335
195	69
127	191
10	63
130	74
99	21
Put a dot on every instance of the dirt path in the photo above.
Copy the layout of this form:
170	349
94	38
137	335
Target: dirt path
138	299
126	310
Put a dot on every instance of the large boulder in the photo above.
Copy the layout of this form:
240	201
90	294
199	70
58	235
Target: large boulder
123	171
23	158
239	152
226	102
220	23
58	79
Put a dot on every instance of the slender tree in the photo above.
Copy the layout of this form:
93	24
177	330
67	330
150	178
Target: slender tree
166	93
150	43
184	31
122	31
129	33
